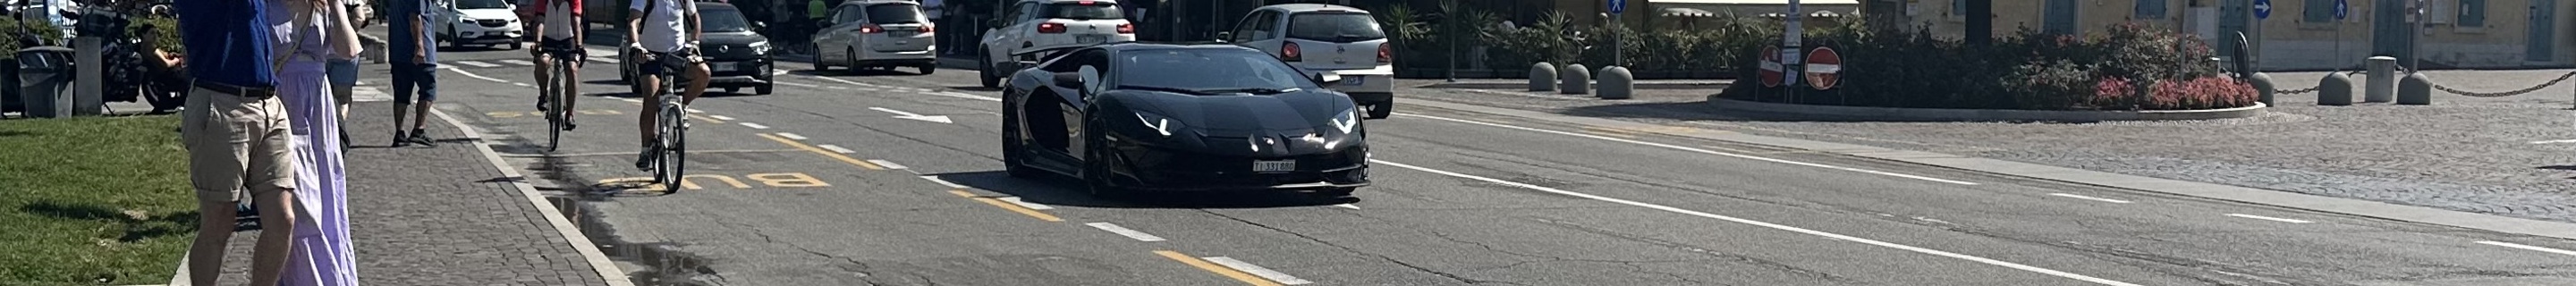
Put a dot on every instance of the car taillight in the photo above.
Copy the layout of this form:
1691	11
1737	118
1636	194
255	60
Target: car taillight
1126	28
1385	54
925	28
1050	28
871	29
1290	52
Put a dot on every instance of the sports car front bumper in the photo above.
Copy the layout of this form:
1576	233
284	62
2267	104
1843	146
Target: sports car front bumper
1162	169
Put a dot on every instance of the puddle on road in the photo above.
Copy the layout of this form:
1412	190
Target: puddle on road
663	265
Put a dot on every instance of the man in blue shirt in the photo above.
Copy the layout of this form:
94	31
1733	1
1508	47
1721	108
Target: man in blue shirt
235	130
415	65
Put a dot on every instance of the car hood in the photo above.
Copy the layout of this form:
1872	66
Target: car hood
480	14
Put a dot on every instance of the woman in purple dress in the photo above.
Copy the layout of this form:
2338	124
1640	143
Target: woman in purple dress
309	34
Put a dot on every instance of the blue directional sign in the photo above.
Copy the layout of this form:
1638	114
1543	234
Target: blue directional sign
2262	9
2342	10
1617	6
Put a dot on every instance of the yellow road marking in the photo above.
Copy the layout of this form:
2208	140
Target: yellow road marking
826	153
1007	206
1247	278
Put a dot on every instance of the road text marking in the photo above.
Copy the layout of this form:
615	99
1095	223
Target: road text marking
1007	206
2090	198
1702	151
2528	247
1123	231
1257	270
2268	218
835	156
1214	268
1988	261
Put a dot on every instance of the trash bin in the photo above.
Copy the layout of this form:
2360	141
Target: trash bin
44	81
9	78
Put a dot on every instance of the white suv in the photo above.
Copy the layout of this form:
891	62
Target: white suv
1322	38
488	22
1044	24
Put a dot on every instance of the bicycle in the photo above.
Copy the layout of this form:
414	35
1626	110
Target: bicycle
551	95
671	153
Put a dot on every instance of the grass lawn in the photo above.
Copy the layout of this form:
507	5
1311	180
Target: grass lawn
91	201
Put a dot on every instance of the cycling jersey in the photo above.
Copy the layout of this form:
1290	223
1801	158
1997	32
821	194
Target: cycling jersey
661	31
560	25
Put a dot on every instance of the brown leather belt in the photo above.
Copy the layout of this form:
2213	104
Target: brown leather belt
250	92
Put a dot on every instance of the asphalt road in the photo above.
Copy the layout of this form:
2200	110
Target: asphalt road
893	178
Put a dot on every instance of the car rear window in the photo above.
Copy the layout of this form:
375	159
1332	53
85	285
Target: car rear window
1085	10
1342	27
897	13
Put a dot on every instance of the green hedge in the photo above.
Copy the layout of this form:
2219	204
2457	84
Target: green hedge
9	38
2128	67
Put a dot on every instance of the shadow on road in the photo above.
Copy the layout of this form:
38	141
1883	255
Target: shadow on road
137	226
1062	191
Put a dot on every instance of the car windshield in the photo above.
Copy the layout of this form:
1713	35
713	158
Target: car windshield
1340	27
1206	71
723	20
482	4
1085	10
897	13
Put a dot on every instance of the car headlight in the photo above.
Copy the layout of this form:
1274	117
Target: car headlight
1159	123
761	46
1347	121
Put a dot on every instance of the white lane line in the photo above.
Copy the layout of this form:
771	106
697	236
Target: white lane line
2268	218
943	182
796	84
1025	204
785	134
1988	261
838	149
1257	270
519	62
1702	151
694	110
754	125
472	75
889	165
604	59
632	100
2528	247
1123	231
2090	198
477	64
940	93
2554	141
522	84
1347	206
728	118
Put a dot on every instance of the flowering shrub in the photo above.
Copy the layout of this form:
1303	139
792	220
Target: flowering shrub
2130	67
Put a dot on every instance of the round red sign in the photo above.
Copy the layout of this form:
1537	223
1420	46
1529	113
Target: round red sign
1771	70
1823	68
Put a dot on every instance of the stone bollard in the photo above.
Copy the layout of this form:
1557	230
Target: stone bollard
2383	79
2263	87
1577	80
1617	83
88	76
1542	77
2416	89
2334	90
372	49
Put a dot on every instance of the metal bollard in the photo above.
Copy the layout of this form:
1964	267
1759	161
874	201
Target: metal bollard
1577	80
89	80
2416	89
2383	79
1542	77
1617	83
2334	90
2263	87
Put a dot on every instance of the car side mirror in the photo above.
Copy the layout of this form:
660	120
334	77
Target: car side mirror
759	26
1222	37
1068	80
1328	78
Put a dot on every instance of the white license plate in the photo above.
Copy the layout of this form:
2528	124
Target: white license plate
720	67
1354	80
1091	39
1274	166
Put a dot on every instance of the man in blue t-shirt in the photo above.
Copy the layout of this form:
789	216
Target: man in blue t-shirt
415	65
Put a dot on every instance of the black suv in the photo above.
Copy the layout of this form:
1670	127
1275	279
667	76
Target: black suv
736	56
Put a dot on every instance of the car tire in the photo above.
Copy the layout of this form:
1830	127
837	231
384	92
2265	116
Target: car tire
986	73
1011	149
928	69
852	59
764	88
516	45
1381	110
733	90
1095	168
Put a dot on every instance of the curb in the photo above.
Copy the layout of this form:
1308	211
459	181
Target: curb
1641	84
1944	114
959	63
599	262
2354	207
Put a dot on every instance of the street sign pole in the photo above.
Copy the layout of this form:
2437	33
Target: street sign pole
1618	41
1789	53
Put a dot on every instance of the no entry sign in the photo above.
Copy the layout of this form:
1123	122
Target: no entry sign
1771	70
1823	68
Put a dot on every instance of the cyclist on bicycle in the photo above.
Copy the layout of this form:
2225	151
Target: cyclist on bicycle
559	35
657	29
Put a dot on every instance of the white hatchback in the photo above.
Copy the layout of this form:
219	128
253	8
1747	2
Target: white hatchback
869	34
1033	25
1323	38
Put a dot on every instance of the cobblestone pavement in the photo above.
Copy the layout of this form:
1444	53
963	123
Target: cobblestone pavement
2463	153
436	216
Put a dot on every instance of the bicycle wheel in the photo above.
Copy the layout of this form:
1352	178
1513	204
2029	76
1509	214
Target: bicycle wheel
674	140
549	92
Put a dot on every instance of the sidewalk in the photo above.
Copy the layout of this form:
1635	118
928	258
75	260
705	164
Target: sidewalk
438	216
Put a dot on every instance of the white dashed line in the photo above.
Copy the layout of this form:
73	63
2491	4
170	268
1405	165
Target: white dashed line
1987	261
632	100
1347	206
943	182
1123	231
2268	218
1257	270
797	84
604	59
1025	204
472	75
522	84
2554	141
518	62
727	118
2091	198
2528	247
838	149
477	64
889	165
785	134
754	125
1698	150
694	110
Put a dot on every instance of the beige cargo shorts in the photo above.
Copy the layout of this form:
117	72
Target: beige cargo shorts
236	143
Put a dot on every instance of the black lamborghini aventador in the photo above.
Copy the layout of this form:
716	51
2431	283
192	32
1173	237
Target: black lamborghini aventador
1133	117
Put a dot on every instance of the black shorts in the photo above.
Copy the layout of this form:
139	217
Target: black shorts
563	48
665	64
